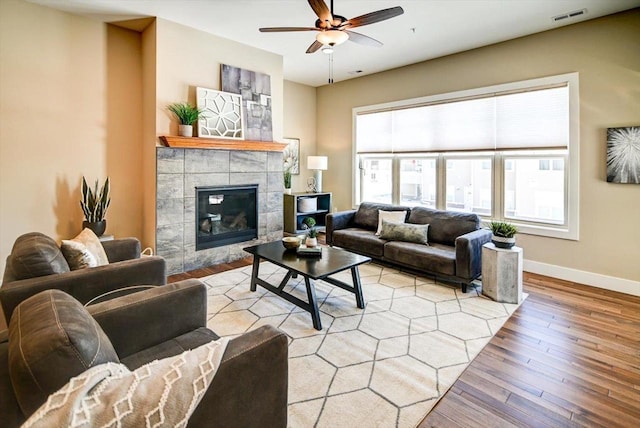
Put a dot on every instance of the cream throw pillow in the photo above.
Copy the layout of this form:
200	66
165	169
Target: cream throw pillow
390	216
162	393
83	251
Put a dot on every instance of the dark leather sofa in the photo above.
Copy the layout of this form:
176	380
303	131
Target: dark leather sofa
36	264
454	251
56	338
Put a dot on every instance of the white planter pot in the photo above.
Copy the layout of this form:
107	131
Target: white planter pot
185	130
311	242
287	191
502	242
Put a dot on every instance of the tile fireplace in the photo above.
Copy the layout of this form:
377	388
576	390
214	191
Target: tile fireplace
180	171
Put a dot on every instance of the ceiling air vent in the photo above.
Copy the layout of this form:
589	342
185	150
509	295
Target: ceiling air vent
569	15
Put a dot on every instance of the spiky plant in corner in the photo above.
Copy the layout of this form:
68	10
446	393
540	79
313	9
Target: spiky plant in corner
503	234
94	204
187	115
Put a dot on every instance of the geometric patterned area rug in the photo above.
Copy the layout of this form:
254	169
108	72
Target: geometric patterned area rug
383	366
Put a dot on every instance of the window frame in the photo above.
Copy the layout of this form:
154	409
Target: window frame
568	230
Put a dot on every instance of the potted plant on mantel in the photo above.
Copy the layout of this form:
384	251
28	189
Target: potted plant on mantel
94	205
187	115
503	234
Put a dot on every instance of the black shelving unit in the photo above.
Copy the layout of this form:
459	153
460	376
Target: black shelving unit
293	218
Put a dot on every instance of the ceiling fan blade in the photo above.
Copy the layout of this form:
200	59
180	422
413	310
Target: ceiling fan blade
373	17
314	47
362	39
282	29
323	12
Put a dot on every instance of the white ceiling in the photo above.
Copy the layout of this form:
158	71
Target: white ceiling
428	29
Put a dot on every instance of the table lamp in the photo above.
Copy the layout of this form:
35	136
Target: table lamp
318	164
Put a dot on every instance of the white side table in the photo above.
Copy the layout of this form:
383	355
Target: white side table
502	273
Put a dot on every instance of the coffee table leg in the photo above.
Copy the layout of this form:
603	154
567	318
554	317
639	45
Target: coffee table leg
254	272
357	286
313	303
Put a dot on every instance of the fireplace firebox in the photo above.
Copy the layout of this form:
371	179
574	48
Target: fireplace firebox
226	215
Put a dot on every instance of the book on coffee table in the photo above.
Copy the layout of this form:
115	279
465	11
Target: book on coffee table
309	251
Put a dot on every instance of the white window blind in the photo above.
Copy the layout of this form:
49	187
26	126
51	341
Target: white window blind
532	119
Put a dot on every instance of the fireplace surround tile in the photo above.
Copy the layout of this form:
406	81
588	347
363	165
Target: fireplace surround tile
204	161
248	161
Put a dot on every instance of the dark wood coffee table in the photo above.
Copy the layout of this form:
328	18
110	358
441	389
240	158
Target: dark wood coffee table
332	261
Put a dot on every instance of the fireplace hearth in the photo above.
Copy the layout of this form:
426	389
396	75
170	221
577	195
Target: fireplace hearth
226	215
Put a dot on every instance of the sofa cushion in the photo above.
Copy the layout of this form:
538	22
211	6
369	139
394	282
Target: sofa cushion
359	240
83	251
391	217
366	216
445	226
406	232
52	338
35	254
436	258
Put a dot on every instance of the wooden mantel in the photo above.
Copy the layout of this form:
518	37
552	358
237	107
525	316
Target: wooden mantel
221	144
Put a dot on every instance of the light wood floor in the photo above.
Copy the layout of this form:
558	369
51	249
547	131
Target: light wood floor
569	356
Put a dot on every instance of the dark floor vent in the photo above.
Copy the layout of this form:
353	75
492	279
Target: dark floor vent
569	15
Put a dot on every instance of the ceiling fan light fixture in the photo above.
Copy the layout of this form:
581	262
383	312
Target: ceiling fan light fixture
332	37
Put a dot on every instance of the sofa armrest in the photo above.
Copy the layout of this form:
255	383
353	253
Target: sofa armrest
469	253
250	386
85	284
337	221
122	249
147	318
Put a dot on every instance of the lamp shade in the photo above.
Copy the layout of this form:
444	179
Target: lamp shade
317	162
332	37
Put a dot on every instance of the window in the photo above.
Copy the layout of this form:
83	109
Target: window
507	152
469	185
418	182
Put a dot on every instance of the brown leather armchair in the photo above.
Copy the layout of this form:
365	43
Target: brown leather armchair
53	338
37	264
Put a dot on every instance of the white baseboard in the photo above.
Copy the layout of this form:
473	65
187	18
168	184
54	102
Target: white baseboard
582	277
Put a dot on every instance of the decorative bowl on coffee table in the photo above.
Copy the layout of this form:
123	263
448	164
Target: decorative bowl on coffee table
291	242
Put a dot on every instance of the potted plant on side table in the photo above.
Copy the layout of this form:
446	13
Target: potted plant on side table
503	234
187	115
94	204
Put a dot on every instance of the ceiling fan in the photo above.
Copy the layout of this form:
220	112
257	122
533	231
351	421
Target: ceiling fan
335	29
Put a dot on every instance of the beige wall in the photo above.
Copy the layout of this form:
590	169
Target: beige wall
605	52
300	122
187	58
69	106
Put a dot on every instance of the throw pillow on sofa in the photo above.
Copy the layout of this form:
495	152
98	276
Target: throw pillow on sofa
163	392
83	251
406	232
390	216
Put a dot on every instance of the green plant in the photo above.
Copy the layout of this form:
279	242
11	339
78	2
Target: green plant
312	233
506	230
287	179
94	204
185	113
309	222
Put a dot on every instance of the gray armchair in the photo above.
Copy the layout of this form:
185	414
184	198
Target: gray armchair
51	329
37	264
